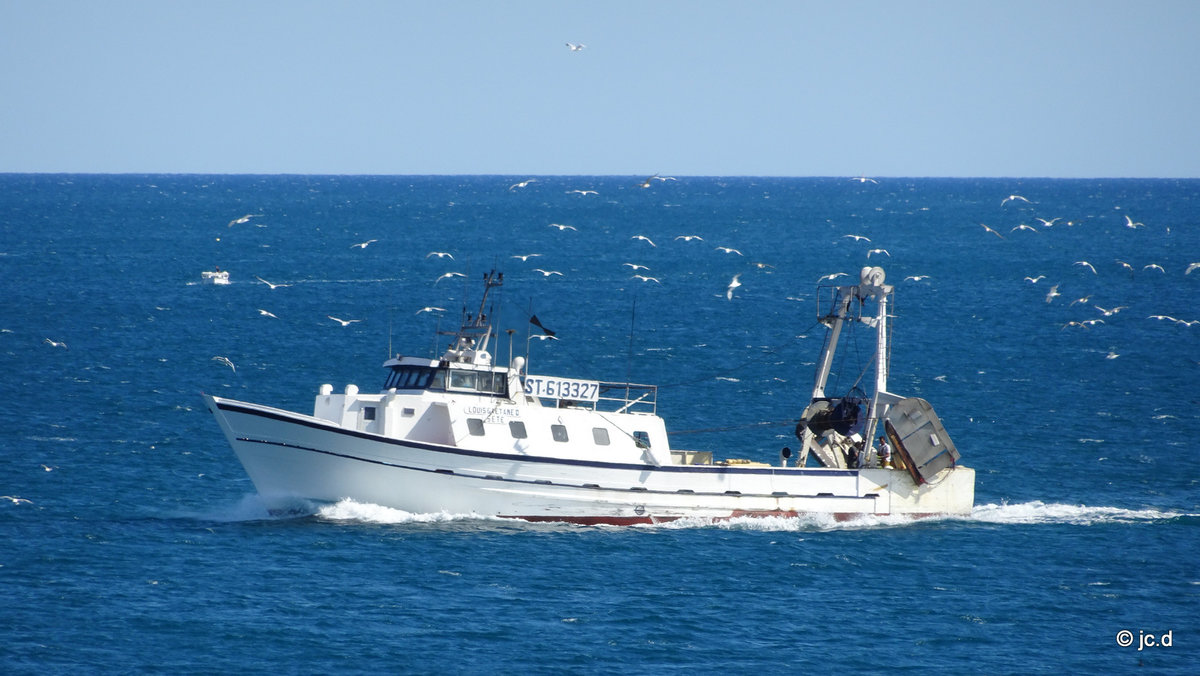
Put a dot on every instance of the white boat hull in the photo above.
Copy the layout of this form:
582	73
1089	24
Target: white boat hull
292	456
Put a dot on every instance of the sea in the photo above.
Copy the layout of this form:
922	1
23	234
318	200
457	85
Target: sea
1052	324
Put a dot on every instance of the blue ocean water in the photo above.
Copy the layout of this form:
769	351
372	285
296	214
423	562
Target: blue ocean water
132	540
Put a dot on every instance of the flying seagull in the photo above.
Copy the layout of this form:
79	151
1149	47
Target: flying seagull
882	251
1129	223
832	276
688	238
562	227
992	231
430	308
243	219
547	273
522	184
55	343
526	257
343	322
733	284
1013	198
576	47
363	245
583	192
1053	293
1087	265
729	250
644	278
645	239
273	286
636	266
857	238
266	314
448	274
1190	267
225	361
864	179
439	254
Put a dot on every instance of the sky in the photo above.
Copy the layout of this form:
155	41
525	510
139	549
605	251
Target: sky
1042	88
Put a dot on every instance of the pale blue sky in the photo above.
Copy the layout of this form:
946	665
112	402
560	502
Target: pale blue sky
1072	88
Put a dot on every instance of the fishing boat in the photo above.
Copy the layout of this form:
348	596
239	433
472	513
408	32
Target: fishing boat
217	276
460	434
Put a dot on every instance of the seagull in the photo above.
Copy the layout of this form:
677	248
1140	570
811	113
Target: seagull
547	273
1035	280
55	343
15	500
916	278
992	231
576	48
1129	223
243	219
729	250
688	238
636	266
1024	227
864	179
1125	265
857	238
763	266
439	254
1161	317
833	276
1053	293
1153	266
522	184
1191	267
48	468
1012	198
882	251
343	322
225	361
430	308
1109	313
656	177
583	192
644	239
1048	223
448	274
273	286
544	336
266	314
1087	265
644	278
526	257
1081	300
562	227
363	245
1092	322
733	284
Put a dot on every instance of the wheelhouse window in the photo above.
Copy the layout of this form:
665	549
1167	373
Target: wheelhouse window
484	382
642	439
410	377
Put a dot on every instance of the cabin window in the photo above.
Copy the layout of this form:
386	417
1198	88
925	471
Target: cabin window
642	439
475	427
517	429
559	432
368	412
600	436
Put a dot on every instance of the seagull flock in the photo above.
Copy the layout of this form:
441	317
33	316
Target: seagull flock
641	273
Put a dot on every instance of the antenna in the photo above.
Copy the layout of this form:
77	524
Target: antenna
629	364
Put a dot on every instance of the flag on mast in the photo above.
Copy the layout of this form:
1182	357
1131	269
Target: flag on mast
534	320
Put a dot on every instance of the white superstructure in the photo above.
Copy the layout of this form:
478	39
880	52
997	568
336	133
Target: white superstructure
462	435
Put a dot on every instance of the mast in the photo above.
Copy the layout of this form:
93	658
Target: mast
472	338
